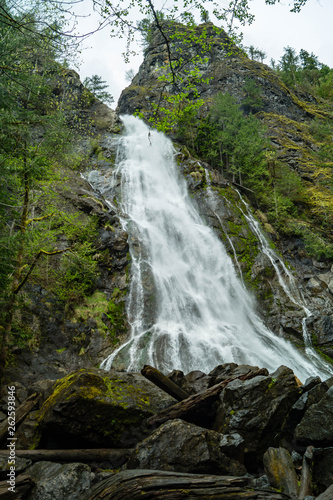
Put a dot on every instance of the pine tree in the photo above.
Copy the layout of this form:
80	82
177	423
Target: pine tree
97	87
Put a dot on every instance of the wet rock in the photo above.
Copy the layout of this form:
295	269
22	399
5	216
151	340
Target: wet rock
256	409
316	427
322	468
92	408
306	400
57	482
280	471
182	447
310	383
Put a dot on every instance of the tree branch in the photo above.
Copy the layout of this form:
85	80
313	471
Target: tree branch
33	264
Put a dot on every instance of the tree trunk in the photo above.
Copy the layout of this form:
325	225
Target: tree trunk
150	485
20	414
198	409
116	457
164	383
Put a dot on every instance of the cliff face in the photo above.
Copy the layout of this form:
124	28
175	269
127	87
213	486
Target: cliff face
223	68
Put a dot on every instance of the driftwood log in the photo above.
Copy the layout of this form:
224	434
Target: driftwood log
20	414
22	486
196	408
116	457
164	383
150	484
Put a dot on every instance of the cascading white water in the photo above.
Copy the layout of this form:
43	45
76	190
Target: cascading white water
204	316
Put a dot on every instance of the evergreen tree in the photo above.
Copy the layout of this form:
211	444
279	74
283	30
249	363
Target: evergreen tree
97	87
33	133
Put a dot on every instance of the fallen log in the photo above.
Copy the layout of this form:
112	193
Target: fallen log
196	408
20	414
164	383
23	485
116	457
150	484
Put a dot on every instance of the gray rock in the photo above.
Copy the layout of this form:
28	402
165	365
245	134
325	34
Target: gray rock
58	482
310	383
21	464
322	468
182	447
280	471
326	495
195	381
256	409
316	427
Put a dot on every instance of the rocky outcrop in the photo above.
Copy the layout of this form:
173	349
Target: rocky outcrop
56	482
260	432
222	67
182	447
99	409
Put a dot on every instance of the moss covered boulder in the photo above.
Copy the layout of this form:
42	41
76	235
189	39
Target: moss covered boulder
95	408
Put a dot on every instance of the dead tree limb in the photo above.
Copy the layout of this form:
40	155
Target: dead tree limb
164	383
150	484
116	457
189	408
20	414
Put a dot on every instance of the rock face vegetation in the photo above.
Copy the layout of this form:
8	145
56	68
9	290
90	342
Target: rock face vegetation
254	144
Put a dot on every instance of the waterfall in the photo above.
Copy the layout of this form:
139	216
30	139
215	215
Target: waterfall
285	278
187	308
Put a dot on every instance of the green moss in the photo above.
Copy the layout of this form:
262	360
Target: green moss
92	307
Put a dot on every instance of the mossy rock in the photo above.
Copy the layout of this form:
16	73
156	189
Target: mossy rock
91	408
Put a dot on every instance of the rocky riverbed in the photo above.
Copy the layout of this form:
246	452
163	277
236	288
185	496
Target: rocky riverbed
241	432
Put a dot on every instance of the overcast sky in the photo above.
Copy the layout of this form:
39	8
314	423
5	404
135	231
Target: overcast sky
274	28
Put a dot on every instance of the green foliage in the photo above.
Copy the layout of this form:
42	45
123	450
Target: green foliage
252	102
33	139
76	275
304	70
315	245
97	87
232	142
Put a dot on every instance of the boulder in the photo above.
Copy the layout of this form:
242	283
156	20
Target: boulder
194	382
182	447
327	494
256	409
56	482
93	408
322	469
316	426
231	370
313	392
280	470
